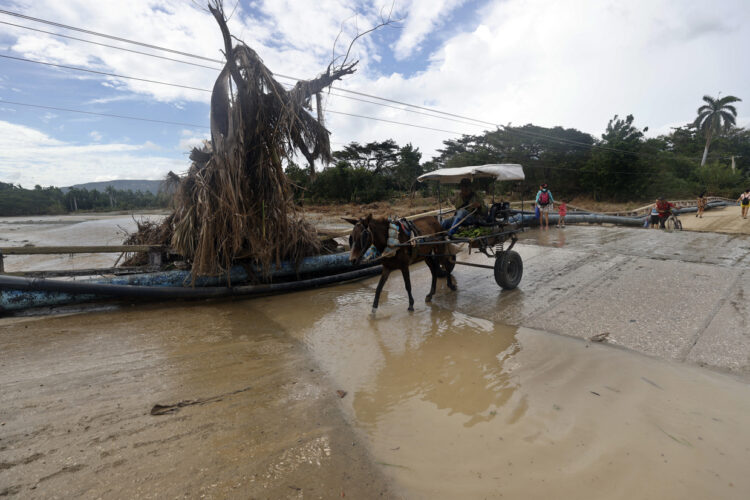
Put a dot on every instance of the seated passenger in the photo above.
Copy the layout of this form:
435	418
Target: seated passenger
468	206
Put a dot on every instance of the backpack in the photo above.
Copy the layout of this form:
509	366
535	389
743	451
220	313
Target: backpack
544	198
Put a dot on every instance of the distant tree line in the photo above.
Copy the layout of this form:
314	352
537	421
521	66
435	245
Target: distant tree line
621	165
360	173
15	200
711	154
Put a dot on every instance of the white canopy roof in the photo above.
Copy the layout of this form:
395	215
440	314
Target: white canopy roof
500	172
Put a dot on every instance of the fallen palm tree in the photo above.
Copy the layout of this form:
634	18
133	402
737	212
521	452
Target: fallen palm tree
236	202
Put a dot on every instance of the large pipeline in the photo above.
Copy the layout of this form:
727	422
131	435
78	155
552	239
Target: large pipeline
529	218
36	292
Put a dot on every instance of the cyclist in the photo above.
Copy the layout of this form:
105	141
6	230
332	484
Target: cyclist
665	210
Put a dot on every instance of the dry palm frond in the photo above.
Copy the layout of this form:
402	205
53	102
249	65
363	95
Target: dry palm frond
236	202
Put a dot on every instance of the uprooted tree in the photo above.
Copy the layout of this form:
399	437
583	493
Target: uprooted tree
236	202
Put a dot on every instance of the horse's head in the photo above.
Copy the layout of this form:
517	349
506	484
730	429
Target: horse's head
360	239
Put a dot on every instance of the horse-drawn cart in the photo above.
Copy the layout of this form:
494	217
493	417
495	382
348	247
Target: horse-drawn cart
489	234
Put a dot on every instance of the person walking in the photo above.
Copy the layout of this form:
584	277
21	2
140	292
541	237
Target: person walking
701	204
545	203
744	200
562	211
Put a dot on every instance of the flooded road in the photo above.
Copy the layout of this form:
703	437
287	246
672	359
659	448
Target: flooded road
456	406
307	395
438	404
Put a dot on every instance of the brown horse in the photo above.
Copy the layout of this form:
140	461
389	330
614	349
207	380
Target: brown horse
369	231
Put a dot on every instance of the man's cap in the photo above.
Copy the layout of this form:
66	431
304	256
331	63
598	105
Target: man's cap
465	182
544	185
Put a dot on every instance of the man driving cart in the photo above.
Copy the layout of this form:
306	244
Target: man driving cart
469	206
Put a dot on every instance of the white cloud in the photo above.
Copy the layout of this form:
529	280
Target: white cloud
422	17
574	63
190	139
115	98
48	49
96	136
29	157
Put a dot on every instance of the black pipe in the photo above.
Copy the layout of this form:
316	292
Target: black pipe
132	291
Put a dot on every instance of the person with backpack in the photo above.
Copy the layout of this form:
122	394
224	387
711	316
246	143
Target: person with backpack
545	203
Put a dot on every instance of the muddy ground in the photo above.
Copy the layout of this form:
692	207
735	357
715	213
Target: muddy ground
482	394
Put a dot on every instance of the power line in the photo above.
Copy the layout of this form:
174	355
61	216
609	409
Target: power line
208	90
392	121
363	94
182	124
104	35
181	61
507	129
407	110
111	46
75	68
110	115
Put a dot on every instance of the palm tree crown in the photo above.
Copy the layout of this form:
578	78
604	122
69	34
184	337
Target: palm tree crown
715	117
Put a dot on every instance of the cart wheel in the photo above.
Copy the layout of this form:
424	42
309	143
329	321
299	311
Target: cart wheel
442	272
508	270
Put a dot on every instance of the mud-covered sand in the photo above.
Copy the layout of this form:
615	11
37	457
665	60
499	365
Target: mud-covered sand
726	220
260	419
468	397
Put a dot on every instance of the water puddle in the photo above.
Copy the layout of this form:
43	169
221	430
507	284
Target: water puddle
455	406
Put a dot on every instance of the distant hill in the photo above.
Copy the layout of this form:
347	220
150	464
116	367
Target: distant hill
123	185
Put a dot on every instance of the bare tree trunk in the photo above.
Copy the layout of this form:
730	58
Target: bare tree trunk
319	108
705	151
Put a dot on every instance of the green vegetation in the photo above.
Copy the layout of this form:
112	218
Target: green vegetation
361	174
715	117
622	165
15	200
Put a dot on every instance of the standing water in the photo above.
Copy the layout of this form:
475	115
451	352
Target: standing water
448	405
454	406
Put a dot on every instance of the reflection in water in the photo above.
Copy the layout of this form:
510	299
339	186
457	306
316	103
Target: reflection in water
454	406
451	361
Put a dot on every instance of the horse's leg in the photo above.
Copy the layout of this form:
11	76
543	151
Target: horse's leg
433	271
444	260
383	279
407	284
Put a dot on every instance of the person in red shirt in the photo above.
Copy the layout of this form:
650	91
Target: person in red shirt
665	209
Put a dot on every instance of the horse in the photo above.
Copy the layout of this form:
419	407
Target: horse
374	231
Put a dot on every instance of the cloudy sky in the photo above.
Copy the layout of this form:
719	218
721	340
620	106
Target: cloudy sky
567	62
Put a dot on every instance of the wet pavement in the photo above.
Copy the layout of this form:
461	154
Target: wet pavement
481	394
679	296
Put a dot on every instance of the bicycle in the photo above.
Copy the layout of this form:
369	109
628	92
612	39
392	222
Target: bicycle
672	223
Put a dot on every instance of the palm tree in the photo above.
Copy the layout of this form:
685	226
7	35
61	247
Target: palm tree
715	117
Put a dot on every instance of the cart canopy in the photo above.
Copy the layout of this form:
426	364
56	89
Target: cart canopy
498	171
